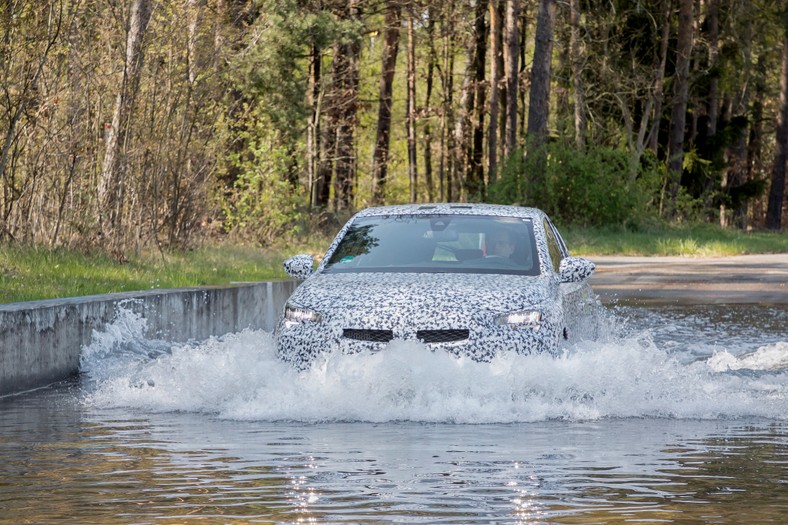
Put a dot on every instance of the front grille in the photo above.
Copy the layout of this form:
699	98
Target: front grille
442	336
374	336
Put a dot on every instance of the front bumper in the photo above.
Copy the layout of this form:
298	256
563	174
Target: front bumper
301	344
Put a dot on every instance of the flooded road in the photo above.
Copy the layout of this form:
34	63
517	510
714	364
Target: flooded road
679	415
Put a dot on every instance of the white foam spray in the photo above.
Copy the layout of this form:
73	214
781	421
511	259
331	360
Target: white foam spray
238	376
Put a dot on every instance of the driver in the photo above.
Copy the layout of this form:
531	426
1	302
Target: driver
500	244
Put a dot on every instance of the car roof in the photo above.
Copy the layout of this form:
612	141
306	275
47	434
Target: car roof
499	210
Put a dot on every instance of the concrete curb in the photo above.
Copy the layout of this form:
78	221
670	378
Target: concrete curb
40	341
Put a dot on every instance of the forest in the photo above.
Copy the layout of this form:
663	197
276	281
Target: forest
128	125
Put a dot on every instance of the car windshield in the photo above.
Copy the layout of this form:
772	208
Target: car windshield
437	244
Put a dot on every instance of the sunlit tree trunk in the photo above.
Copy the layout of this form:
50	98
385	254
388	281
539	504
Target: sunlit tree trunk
512	55
413	172
313	126
495	77
111	184
449	144
431	63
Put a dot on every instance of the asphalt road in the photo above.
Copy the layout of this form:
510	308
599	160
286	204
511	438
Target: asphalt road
757	279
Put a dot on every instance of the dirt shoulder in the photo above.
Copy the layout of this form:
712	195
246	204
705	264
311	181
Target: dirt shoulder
761	279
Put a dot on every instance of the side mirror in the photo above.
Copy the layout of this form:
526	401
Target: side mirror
299	266
576	269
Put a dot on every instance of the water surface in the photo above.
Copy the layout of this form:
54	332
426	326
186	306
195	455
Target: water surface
679	414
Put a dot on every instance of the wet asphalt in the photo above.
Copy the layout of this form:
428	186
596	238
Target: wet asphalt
756	279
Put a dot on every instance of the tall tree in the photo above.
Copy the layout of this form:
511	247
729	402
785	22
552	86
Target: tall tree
313	126
380	157
112	183
450	145
576	60
777	191
539	100
432	63
734	183
474	182
495	78
680	98
346	81
657	91
413	172
512	55
713	22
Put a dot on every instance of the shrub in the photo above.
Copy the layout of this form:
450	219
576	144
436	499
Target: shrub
590	187
264	204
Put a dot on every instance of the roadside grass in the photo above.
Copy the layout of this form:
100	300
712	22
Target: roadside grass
32	273
688	241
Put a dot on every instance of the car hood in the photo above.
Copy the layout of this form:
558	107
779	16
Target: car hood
435	294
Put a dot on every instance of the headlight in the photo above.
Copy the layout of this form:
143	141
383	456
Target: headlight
527	319
295	315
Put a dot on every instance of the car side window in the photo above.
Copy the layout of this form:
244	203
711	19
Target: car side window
552	246
559	239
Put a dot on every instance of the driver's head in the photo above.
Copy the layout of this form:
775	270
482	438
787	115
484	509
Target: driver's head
500	243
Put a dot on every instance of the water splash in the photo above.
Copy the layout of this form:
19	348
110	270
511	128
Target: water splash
239	377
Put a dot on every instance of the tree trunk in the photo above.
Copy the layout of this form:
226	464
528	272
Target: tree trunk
495	77
512	50
714	80
523	73
474	183
463	145
433	60
449	156
413	172
680	98
659	79
346	78
539	101
112	181
756	212
576	60
313	126
648	129
390	47
325	170
774	211
539	107
735	175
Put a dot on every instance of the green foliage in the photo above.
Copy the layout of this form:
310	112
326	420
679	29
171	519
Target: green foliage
588	187
263	203
267	127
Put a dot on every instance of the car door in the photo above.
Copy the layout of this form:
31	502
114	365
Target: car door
577	298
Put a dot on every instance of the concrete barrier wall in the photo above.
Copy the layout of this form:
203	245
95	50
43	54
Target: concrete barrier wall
40	341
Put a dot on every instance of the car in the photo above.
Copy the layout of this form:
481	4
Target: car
473	280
